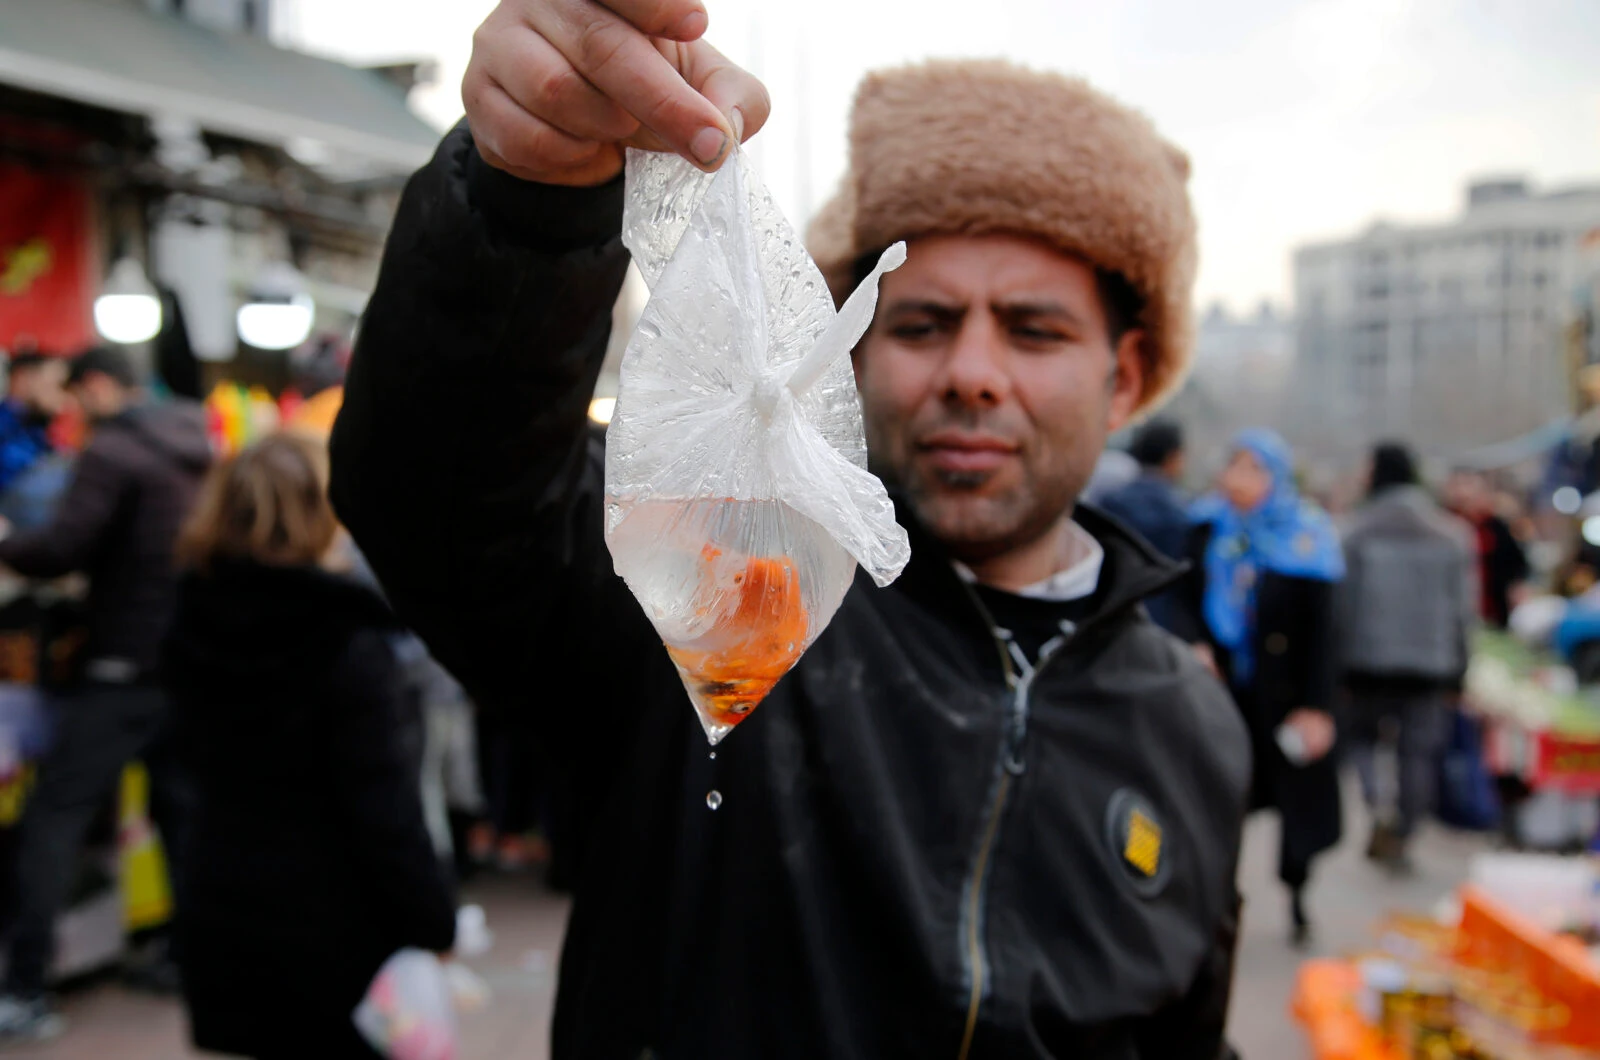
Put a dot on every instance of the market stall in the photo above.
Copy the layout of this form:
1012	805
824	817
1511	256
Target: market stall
1542	728
1511	975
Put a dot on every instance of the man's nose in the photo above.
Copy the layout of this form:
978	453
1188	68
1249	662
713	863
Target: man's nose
975	365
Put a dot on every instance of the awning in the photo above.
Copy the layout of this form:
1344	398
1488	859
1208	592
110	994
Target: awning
123	57
1535	443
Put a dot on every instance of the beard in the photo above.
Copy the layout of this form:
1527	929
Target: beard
966	511
975	525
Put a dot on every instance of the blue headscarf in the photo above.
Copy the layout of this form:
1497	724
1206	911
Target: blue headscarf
1285	535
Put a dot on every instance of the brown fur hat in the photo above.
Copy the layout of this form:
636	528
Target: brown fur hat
950	147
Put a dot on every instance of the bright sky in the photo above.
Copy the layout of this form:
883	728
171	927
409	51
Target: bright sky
1304	119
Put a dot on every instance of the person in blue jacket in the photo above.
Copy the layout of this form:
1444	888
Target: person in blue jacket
36	395
1153	504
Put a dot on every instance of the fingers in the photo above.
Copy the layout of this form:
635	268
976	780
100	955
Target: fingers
555	87
731	89
528	147
541	81
626	66
682	20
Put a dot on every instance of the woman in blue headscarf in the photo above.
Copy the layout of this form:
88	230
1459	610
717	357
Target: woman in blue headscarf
1266	562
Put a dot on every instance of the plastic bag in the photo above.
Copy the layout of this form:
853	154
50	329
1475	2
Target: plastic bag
141	863
408	1013
738	500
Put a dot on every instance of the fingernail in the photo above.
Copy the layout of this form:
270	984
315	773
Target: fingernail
691	26
736	119
708	145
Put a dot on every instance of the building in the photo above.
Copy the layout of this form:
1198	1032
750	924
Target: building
1241	373
173	139
1451	335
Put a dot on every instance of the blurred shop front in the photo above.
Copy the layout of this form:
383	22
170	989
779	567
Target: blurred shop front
169	155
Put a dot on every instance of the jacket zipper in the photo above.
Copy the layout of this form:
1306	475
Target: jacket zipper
1012	660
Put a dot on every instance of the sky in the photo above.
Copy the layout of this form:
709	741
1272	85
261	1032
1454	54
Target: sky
1304	119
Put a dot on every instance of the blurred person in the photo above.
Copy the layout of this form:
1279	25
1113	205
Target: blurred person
1112	471
319	364
1503	572
1265	564
994	811
1502	563
451	783
35	395
1406	610
117	522
1153	505
311	860
512	835
449	768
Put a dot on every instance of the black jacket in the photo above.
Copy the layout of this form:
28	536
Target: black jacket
877	883
1502	564
1154	507
118	523
1297	665
310	863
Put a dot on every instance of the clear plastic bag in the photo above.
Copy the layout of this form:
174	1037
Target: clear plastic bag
408	1013
738	500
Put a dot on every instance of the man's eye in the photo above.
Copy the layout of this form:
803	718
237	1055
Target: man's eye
1038	335
912	332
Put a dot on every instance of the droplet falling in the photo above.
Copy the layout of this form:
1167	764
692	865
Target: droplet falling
713	755
713	799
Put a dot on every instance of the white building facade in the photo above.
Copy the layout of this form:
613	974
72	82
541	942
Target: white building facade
1241	374
1451	336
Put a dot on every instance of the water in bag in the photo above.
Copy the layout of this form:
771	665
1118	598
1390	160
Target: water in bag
737	497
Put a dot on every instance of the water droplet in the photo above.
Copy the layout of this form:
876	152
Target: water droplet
713	799
713	754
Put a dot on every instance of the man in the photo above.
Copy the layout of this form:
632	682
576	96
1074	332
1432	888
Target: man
1407	607
35	396
994	811
117	522
1502	564
1152	503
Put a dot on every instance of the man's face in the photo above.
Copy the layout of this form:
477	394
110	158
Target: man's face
41	388
990	384
99	396
1466	493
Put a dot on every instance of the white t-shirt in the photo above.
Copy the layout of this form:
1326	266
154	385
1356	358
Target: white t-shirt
1073	582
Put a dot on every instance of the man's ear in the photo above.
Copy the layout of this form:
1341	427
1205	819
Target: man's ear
1127	379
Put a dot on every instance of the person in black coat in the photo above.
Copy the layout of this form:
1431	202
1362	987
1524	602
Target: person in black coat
1153	504
312	864
1265	563
993	811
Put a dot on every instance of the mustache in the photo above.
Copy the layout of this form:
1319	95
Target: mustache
968	421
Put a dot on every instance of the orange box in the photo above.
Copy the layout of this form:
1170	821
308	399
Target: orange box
1496	938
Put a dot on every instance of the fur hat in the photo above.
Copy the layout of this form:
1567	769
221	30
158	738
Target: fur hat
986	146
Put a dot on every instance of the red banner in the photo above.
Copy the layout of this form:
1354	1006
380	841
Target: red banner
1568	763
47	278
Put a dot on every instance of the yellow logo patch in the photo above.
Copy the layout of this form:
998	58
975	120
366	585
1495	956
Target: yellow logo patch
1143	849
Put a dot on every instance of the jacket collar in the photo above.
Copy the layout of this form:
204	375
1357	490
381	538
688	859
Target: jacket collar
1133	570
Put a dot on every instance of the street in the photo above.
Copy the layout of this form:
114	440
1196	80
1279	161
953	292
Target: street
1347	895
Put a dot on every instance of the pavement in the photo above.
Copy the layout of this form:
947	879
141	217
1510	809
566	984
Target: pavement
1346	896
109	1022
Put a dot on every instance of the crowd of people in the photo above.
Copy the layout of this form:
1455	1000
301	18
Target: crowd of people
314	774
1352	633
997	808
